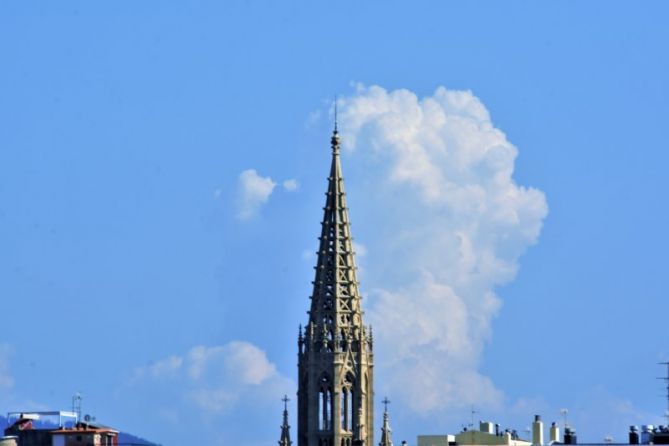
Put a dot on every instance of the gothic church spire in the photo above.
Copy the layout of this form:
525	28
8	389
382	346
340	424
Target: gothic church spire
386	439
335	302
335	359
285	427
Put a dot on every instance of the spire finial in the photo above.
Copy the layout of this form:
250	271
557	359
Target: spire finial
285	400
335	132
385	402
335	114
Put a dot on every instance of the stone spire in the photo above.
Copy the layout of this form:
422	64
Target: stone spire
335	302
335	387
285	427
386	439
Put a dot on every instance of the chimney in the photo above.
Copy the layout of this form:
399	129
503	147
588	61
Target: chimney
537	431
647	433
570	436
634	435
555	433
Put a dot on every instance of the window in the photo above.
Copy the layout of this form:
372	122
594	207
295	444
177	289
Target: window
347	403
325	404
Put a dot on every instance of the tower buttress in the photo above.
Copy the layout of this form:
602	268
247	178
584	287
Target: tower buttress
335	358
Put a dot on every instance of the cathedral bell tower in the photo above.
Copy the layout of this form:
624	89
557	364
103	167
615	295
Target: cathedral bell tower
335	359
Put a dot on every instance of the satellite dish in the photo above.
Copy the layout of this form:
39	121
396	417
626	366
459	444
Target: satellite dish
87	418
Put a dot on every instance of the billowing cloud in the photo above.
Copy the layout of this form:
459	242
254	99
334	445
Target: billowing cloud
240	362
253	191
168	366
217	378
452	225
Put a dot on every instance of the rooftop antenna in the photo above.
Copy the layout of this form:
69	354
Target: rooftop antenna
564	413
76	405
666	380
472	417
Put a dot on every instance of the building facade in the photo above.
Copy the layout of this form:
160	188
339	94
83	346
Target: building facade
55	428
335	358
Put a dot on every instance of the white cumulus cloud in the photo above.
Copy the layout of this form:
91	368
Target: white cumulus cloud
238	362
291	185
218	378
450	225
253	191
159	369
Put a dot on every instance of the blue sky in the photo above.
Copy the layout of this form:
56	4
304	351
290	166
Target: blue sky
153	258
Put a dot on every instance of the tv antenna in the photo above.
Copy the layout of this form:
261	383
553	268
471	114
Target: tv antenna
76	405
88	418
564	413
471	425
666	380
